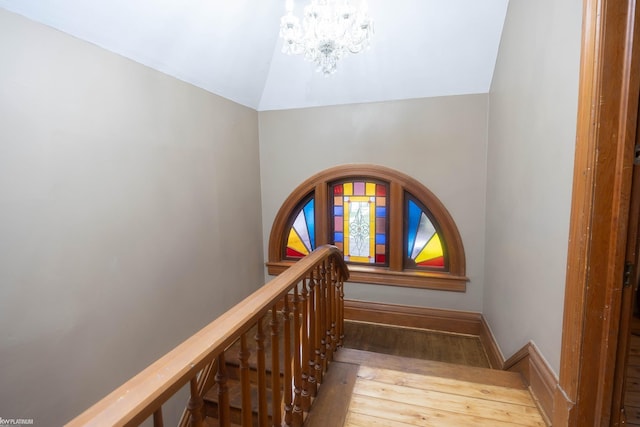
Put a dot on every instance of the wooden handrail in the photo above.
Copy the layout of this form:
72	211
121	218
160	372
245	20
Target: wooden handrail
144	394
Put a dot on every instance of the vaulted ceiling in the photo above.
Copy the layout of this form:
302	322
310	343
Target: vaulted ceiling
421	48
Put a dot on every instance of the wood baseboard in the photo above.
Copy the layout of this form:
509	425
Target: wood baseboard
528	361
461	322
563	409
496	360
543	381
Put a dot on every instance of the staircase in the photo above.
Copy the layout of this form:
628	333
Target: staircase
234	385
366	389
305	304
270	381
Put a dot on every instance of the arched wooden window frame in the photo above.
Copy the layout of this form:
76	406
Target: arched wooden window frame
395	274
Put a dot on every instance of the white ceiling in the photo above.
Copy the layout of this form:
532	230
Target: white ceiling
421	48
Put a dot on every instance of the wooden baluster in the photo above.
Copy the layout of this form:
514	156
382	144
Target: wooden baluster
309	358
319	331
195	405
157	418
305	400
245	381
288	398
297	370
331	324
323	324
263	416
224	415
336	306
340	284
276	416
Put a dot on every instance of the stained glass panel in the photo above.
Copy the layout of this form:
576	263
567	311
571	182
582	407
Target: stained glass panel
424	247
360	220
358	229
301	239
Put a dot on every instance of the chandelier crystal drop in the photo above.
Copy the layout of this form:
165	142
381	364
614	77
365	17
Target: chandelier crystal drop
330	30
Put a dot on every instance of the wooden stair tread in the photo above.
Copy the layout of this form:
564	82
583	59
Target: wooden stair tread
214	422
232	354
431	368
235	396
397	391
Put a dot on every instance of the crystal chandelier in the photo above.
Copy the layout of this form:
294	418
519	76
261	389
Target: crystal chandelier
330	30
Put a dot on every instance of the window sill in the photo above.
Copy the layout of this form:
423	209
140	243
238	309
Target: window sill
383	276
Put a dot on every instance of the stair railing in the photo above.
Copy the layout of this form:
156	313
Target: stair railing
306	300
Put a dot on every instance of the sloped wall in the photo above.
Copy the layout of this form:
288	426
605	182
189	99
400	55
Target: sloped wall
532	127
129	216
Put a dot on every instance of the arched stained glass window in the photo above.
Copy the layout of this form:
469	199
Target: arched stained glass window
391	229
301	238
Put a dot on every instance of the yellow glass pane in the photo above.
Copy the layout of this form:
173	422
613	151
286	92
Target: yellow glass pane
294	242
348	188
359	259
371	189
432	250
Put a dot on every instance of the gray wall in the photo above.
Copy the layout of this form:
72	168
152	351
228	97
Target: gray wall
129	218
532	116
439	141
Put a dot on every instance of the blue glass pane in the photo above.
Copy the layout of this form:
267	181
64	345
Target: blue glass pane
311	225
380	239
414	220
338	237
338	210
381	212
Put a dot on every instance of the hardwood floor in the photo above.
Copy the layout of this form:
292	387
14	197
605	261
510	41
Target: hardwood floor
416	343
395	391
632	390
400	398
403	377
